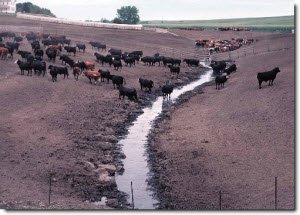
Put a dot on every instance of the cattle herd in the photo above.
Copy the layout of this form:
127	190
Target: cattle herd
223	45
60	47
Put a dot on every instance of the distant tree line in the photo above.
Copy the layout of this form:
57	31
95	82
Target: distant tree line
28	7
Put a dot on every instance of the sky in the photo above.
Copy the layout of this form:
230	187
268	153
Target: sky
167	9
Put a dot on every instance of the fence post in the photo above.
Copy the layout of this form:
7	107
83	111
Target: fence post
132	199
275	193
50	184
220	200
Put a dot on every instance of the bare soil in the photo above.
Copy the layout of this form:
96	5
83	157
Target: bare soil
235	140
70	128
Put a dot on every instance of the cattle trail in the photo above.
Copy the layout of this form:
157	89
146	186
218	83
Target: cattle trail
134	147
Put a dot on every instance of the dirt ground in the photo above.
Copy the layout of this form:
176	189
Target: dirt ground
235	140
70	128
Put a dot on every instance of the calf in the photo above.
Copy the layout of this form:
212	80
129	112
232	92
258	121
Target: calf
130	93
220	80
146	84
267	76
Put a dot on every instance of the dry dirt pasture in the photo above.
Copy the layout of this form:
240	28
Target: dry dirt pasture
70	128
235	140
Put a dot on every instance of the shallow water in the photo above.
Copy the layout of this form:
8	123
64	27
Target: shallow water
134	147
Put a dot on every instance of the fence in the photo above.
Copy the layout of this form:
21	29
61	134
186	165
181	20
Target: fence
250	50
81	23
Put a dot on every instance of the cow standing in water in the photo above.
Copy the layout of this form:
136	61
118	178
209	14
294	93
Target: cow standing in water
167	90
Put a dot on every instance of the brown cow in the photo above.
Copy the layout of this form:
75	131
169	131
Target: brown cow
76	72
91	74
57	47
3	52
89	65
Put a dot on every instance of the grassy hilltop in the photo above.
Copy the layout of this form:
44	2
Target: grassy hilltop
281	23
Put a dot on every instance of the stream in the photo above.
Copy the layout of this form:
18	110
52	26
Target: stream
134	147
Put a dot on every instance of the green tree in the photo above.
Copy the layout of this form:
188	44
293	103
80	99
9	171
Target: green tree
128	15
28	7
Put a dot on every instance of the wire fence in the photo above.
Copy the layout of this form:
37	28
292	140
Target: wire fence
251	51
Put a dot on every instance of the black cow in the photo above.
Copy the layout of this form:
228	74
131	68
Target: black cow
29	58
148	60
146	84
167	90
70	49
129	60
55	70
67	60
35	45
174	70
24	66
218	66
191	62
220	80
18	39
130	93
230	69
267	76
117	80
117	64
104	74
39	67
13	45
38	52
98	45
81	47
113	51
23	54
167	61
51	53
139	53
80	64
